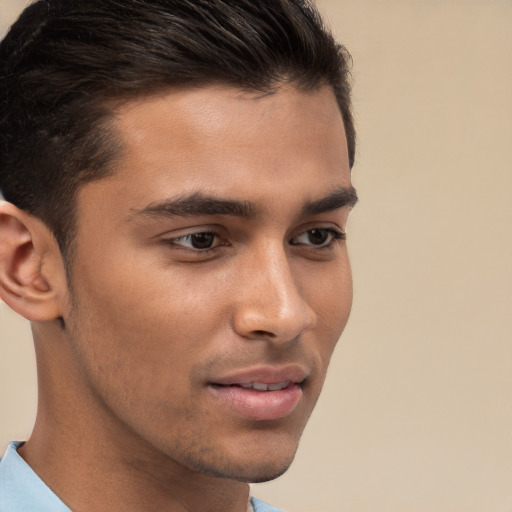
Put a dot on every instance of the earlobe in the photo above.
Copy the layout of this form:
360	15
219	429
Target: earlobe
28	280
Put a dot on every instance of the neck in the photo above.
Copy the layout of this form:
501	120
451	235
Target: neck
93	462
96	473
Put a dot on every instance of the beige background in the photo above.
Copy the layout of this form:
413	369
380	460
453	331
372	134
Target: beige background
417	411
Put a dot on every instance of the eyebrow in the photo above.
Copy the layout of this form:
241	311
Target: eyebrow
198	204
338	199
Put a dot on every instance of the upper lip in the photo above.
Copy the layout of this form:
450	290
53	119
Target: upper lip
293	373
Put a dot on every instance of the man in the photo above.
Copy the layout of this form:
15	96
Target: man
177	186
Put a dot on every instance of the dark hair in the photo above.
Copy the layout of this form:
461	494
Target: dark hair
64	62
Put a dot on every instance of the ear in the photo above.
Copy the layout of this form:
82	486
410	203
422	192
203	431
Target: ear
32	274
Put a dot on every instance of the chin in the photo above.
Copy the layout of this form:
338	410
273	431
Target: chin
249	473
261	466
243	455
268	475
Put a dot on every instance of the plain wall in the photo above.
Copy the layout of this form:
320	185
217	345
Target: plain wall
417	410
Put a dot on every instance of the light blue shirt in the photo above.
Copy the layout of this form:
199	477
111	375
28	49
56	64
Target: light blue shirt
21	490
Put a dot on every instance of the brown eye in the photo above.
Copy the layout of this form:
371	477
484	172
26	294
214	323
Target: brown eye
318	237
202	240
197	241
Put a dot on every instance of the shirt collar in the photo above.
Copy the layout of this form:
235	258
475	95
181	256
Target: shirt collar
21	489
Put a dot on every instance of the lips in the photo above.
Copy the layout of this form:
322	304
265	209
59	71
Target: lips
266	393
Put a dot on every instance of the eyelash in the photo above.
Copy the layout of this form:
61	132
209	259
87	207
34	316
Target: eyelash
335	237
173	241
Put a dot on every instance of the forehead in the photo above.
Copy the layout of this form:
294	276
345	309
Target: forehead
224	141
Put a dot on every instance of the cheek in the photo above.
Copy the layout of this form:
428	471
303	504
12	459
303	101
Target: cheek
138	360
331	298
144	295
330	295
144	328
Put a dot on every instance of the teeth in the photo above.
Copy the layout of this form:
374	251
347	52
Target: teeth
260	386
277	387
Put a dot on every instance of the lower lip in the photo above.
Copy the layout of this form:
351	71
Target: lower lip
260	405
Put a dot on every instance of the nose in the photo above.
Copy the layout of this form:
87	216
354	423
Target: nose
270	303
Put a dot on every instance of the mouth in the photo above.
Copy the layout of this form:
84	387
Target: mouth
262	386
261	394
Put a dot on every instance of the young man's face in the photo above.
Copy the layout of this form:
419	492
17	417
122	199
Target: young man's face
211	280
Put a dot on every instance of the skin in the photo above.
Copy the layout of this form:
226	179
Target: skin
153	321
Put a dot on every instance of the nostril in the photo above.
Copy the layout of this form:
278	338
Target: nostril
263	334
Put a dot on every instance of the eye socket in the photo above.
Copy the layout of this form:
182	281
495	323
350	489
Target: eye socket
198	241
318	237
